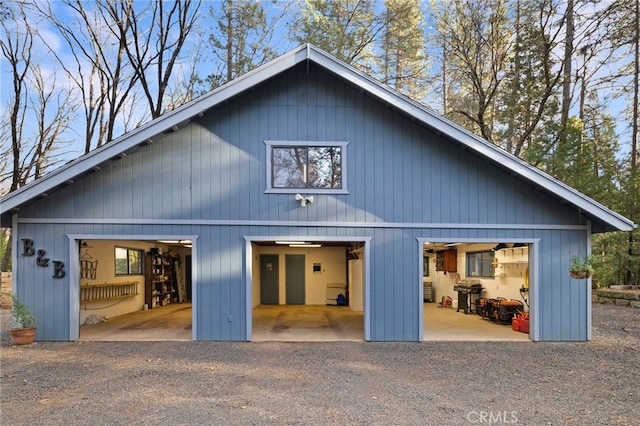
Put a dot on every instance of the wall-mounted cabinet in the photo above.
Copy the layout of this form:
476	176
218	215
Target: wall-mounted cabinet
447	260
161	286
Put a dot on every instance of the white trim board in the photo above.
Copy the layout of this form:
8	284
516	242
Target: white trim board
74	273
347	239
314	224
534	311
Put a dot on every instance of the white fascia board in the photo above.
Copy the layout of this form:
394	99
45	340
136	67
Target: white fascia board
470	140
151	129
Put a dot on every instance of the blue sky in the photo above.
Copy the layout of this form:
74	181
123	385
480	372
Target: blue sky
55	75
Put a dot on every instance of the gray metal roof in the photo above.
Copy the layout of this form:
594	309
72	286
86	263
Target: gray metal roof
181	116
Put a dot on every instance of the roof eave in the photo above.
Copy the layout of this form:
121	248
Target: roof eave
474	142
184	114
147	132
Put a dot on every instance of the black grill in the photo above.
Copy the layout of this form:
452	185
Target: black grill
465	293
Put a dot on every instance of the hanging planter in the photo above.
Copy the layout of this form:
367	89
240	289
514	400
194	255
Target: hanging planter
581	267
580	275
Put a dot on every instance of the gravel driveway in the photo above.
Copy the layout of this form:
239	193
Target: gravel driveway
342	383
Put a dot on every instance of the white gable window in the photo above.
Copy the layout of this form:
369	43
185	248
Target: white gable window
306	166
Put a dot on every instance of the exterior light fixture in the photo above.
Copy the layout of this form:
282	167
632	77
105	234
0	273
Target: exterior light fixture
302	200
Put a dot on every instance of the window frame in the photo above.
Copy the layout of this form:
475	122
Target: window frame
129	263
482	273
270	144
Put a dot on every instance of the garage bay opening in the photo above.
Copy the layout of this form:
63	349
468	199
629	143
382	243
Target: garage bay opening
135	290
307	290
476	291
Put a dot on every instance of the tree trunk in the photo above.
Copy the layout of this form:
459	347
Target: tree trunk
230	40
634	135
7	253
566	70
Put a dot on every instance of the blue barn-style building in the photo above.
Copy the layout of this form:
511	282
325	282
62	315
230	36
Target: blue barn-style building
303	149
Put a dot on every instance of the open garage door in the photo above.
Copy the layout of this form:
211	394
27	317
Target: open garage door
305	290
475	291
132	290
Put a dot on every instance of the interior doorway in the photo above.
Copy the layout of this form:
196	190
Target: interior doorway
188	271
269	279
295	278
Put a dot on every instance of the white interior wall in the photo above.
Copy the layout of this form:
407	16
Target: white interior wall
356	285
510	274
333	262
104	252
443	283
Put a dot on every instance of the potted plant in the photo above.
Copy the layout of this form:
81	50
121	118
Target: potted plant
581	267
22	328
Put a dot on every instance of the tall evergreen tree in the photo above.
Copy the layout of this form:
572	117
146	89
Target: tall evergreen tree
527	100
347	29
403	61
567	80
622	30
243	36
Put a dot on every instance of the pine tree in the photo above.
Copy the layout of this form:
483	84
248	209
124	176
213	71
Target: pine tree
242	37
347	29
527	101
403	62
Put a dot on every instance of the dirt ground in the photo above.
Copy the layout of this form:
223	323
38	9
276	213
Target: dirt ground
341	383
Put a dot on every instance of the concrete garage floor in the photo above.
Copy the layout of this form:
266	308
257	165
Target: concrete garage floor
295	323
270	323
166	323
307	323
445	324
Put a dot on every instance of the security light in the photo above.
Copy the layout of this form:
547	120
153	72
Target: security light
302	200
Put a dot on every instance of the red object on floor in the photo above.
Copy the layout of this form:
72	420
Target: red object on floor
515	324
524	325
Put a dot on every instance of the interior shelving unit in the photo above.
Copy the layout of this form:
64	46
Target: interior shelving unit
161	287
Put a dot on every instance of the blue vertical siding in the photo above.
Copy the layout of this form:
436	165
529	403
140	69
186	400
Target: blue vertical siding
221	292
397	172
562	300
